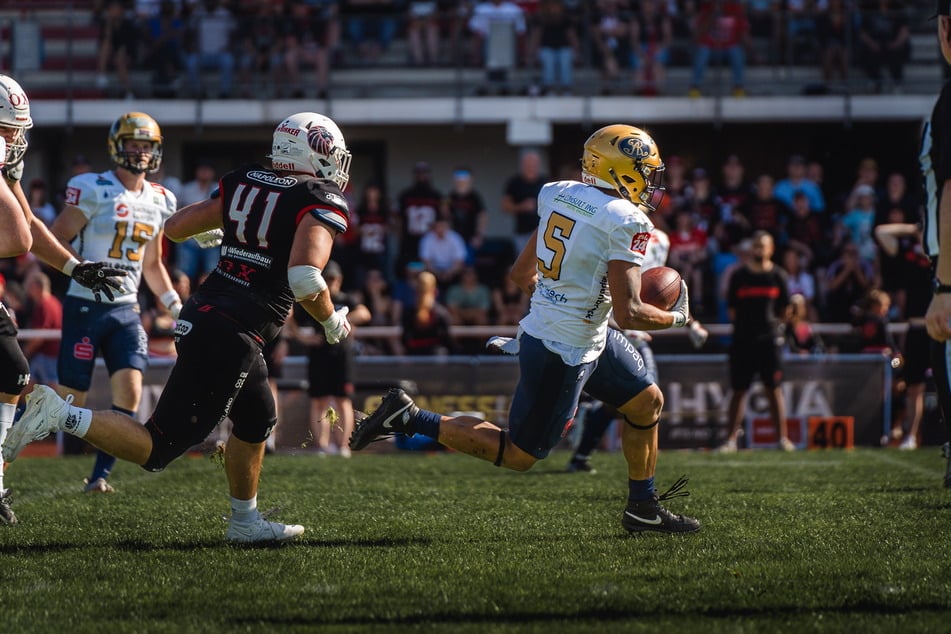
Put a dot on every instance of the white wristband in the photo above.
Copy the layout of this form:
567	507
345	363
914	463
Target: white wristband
680	320
168	298
70	265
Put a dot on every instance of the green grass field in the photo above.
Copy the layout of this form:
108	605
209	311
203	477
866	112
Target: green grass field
819	541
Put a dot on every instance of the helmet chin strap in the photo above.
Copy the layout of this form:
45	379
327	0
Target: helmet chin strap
135	170
624	191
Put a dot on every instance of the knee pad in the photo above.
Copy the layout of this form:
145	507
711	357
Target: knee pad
14	368
165	448
254	432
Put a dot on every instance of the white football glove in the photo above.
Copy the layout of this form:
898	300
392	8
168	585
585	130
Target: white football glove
3	152
503	345
637	335
209	239
681	310
697	334
337	327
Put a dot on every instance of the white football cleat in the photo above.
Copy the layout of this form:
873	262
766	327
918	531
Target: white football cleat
728	447
261	531
99	485
44	413
908	443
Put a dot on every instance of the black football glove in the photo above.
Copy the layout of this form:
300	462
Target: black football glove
99	277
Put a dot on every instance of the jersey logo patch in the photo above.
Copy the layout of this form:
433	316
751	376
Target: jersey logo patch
639	242
83	350
272	179
72	195
122	210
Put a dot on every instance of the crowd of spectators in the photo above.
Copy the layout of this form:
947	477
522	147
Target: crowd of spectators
827	241
255	48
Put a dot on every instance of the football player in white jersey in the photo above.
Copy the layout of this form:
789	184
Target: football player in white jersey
15	120
115	216
583	262
599	416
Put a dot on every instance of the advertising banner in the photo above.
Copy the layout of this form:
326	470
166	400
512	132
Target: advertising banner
830	399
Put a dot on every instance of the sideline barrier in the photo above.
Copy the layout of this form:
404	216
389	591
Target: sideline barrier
823	388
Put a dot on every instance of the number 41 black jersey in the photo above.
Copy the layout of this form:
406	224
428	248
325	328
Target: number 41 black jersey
261	211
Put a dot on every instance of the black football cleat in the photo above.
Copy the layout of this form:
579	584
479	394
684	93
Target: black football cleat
393	416
649	515
580	466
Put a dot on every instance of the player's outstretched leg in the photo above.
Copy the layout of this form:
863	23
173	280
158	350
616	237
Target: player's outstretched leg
393	416
649	515
45	413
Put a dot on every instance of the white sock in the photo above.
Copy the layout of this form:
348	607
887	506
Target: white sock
7	412
76	421
244	511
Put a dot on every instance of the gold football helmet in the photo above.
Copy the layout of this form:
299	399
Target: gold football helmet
140	127
625	159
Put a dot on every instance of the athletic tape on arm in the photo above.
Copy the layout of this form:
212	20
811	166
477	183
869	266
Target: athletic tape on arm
305	281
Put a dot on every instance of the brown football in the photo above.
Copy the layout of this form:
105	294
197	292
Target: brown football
660	287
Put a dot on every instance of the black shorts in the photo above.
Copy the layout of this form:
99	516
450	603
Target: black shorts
917	355
749	359
14	368
330	370
220	373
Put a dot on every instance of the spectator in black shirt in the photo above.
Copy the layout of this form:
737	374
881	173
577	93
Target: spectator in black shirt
554	35
467	213
848	279
763	211
885	42
758	305
417	209
521	197
903	241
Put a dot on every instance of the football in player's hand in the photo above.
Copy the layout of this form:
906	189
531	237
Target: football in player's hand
660	287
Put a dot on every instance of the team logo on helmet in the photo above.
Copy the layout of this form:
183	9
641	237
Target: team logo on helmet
634	147
320	139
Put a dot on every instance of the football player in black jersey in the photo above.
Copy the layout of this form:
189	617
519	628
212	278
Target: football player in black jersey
276	227
15	120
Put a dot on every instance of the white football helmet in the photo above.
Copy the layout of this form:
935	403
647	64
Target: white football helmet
14	113
311	143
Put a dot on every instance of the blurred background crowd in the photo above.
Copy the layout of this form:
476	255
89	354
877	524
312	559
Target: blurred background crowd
828	241
269	48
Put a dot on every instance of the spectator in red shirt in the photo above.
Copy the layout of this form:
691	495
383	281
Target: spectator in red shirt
46	314
688	254
722	32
